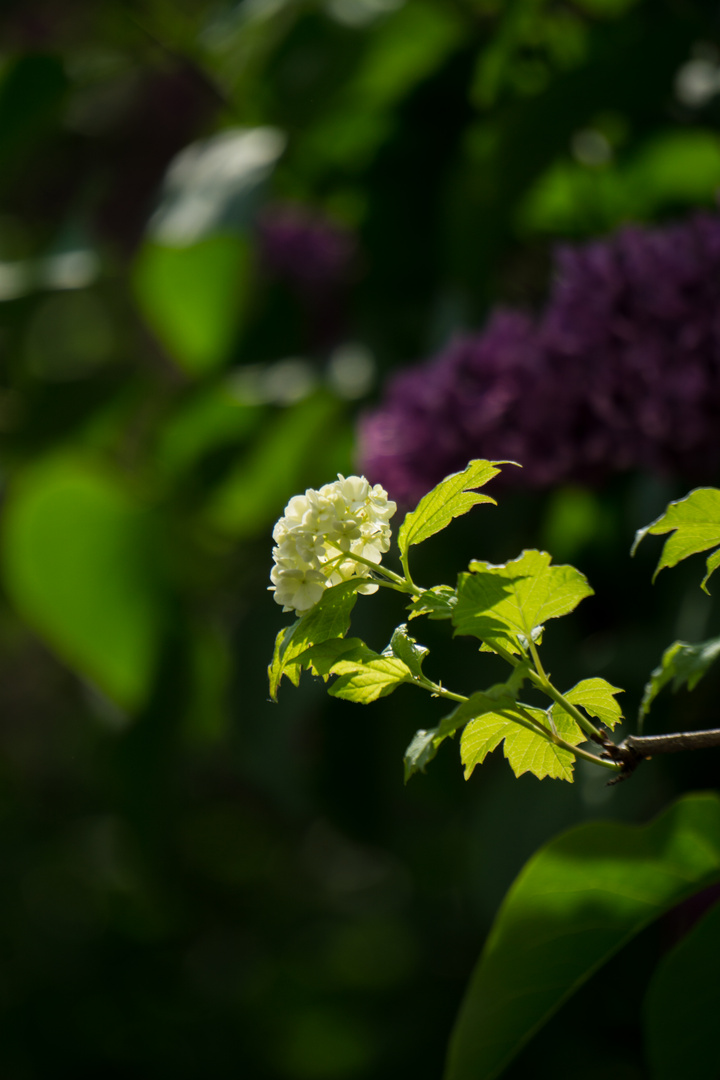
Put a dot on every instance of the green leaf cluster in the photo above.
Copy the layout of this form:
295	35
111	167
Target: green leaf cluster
506	607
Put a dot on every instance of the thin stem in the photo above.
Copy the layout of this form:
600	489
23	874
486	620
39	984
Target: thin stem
406	569
505	654
585	725
536	659
378	568
440	691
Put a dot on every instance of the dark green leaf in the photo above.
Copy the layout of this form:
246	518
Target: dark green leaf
422	749
438	603
682	1006
406	648
682	663
575	903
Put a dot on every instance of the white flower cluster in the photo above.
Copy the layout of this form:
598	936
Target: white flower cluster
347	517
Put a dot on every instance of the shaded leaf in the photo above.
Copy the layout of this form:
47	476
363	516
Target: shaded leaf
574	904
683	664
437	603
452	497
406	648
682	1006
695	526
597	697
422	749
508	603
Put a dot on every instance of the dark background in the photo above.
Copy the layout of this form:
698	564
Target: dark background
197	882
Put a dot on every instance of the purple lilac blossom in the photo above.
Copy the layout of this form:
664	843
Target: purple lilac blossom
620	371
305	249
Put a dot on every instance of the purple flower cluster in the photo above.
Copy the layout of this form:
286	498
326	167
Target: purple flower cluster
620	371
305	249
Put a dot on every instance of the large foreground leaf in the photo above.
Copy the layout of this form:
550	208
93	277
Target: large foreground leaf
683	1004
575	903
695	526
682	664
452	497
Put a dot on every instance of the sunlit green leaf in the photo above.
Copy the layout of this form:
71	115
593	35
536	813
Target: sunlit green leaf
453	496
682	1006
506	603
695	526
425	744
575	903
525	750
597	697
329	618
684	665
81	564
364	675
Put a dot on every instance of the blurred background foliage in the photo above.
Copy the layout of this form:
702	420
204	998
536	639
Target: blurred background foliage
222	225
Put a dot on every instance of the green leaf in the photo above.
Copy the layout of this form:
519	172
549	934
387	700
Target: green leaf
452	497
525	750
682	1006
425	743
329	618
507	603
683	664
577	901
422	749
365	676
437	603
82	566
406	648
193	298
320	659
695	526
597	697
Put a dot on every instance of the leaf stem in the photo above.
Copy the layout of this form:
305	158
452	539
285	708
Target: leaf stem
544	684
536	658
552	736
585	725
